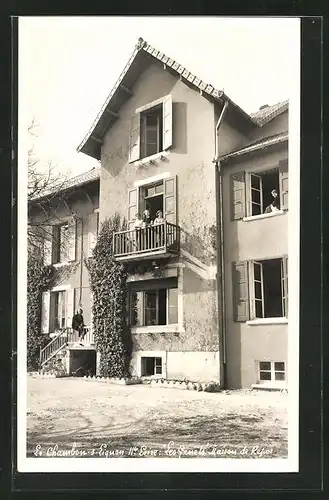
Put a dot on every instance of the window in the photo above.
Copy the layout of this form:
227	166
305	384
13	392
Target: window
151	129
153	305
251	193
260	289
93	228
60	237
271	371
151	366
61	247
58	310
160	195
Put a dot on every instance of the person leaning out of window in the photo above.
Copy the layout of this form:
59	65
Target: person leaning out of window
275	205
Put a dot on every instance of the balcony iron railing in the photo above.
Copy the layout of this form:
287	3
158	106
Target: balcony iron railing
158	240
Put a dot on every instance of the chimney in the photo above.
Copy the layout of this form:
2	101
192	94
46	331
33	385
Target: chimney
264	106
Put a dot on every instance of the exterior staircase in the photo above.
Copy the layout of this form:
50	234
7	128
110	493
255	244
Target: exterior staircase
65	338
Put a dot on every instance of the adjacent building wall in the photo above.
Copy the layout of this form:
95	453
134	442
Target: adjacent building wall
247	240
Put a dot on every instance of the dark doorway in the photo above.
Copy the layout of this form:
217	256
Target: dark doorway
82	362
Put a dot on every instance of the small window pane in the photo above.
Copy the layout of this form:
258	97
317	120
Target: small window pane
255	196
158	370
279	376
265	365
159	189
151	149
158	361
256	209
150	191
255	181
265	375
257	272
258	290
150	308
169	186
259	309
279	366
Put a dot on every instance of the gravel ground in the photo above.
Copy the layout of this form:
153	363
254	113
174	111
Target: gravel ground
76	417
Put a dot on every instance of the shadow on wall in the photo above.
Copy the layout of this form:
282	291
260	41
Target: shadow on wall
180	129
201	244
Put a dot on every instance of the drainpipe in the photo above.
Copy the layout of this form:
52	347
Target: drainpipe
220	254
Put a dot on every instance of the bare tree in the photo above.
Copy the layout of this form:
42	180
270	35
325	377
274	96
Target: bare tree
45	196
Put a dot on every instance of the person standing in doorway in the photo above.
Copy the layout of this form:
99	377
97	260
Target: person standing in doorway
78	325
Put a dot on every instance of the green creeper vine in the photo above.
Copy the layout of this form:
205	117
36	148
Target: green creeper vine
39	279
108	284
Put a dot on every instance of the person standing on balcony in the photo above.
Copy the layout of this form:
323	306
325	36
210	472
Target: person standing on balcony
159	231
138	224
78	325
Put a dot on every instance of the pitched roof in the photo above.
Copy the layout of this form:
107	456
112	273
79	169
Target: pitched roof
262	143
139	59
74	182
267	113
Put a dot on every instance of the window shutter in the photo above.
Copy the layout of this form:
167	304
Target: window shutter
240	291
167	122
92	233
47	246
45	312
284	277
169	199
134	138
70	297
238	196
72	239
283	180
132	207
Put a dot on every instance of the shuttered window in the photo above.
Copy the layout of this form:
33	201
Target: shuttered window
259	193
260	289
151	130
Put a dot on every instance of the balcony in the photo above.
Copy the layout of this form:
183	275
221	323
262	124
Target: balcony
160	241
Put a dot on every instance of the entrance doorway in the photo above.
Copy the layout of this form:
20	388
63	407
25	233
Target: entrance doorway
82	362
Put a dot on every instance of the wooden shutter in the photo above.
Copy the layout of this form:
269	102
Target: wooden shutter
283	182
70	297
47	246
134	138
284	290
72	239
240	291
132	207
45	317
170	199
167	122
92	233
238	196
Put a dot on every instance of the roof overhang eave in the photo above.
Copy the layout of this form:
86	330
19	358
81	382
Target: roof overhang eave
252	149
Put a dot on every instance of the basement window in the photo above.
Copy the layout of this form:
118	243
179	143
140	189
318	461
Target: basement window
151	366
271	371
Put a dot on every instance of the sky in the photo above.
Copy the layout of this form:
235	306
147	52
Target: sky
68	65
